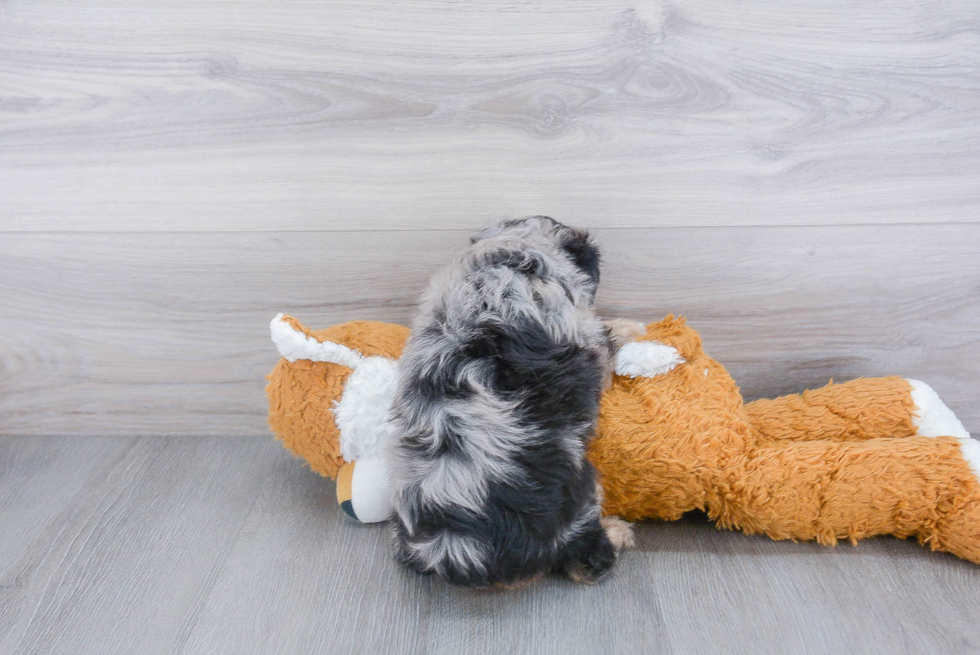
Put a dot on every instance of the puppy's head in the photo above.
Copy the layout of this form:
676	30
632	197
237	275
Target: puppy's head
576	244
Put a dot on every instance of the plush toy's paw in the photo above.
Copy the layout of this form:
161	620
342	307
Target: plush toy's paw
624	330
646	359
932	418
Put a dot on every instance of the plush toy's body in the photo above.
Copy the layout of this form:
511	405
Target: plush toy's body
866	457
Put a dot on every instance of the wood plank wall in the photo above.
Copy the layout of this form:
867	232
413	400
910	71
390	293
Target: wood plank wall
802	181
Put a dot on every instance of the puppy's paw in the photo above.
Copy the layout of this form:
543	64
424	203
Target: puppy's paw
620	532
624	330
593	565
590	556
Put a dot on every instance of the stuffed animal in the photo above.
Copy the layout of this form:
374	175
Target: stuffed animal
867	457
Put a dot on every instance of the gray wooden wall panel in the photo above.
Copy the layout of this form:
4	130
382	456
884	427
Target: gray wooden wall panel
230	546
167	333
331	115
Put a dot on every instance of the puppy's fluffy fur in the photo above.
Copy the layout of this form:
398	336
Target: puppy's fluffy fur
497	398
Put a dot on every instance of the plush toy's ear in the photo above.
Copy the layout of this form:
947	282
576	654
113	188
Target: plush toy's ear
353	418
303	390
294	344
646	359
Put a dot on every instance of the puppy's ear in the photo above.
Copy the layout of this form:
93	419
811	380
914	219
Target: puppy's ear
484	233
579	246
529	262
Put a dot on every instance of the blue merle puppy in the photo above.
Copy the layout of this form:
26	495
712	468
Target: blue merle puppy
497	398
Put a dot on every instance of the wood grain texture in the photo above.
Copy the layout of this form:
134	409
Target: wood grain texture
124	563
218	545
167	333
330	115
38	481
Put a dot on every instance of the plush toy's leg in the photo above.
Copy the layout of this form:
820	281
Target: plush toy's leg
826	490
931	416
861	409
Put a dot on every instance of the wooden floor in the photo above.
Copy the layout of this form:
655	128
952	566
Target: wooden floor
219	545
800	179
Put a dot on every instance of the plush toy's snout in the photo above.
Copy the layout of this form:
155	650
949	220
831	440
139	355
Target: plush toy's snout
344	494
363	492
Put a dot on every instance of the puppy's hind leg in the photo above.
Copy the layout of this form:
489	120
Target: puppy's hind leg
591	555
620	532
623	330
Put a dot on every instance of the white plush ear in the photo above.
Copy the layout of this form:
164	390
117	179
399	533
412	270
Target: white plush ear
361	413
646	359
293	345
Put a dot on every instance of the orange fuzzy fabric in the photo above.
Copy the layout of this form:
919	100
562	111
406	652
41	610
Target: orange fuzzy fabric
841	462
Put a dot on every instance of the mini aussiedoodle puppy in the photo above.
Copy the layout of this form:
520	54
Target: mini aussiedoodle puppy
497	399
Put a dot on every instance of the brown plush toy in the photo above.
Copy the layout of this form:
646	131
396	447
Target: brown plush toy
867	457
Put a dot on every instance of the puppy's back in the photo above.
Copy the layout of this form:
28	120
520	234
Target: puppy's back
498	396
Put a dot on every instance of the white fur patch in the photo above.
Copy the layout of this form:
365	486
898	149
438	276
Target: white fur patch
646	359
932	418
361	413
294	345
464	552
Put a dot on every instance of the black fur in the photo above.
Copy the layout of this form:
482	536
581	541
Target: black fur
584	253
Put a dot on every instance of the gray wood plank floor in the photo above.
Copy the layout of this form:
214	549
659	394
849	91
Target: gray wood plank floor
218	545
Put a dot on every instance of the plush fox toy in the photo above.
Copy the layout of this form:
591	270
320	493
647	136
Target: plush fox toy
867	457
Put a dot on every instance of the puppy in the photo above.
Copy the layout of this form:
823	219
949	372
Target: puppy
497	398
